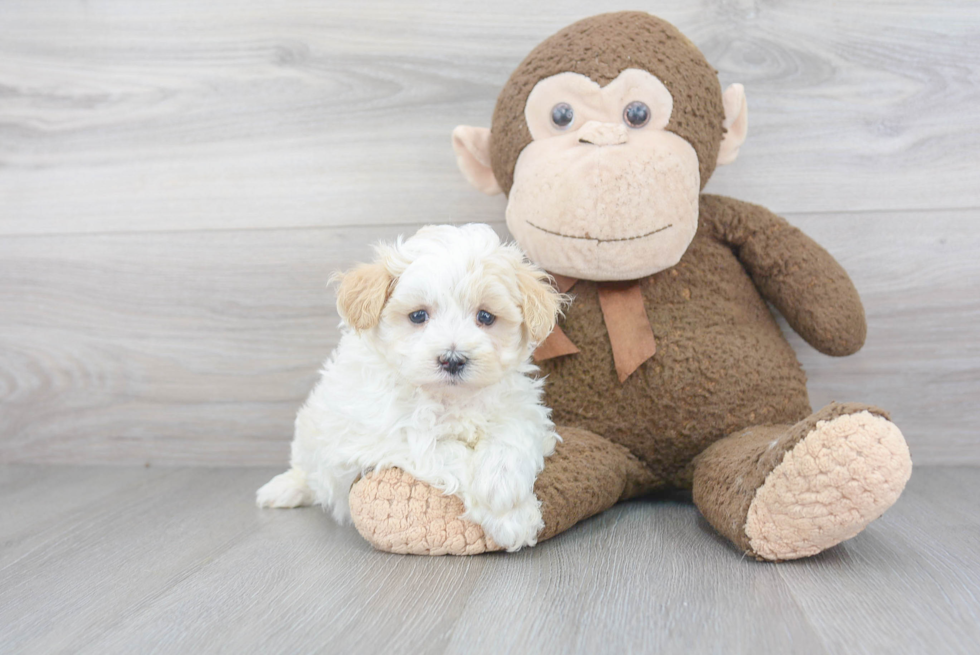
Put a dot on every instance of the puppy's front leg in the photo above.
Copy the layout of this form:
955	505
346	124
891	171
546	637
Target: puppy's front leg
501	494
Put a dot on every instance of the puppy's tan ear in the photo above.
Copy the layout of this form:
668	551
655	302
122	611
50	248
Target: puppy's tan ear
362	294
540	301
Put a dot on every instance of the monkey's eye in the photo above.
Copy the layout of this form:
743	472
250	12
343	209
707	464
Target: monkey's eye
636	114
562	115
419	316
484	317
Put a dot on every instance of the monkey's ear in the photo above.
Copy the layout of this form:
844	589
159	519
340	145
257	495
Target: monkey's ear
736	122
472	148
362	294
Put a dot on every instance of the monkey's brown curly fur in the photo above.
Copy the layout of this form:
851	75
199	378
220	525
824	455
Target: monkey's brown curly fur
723	400
601	47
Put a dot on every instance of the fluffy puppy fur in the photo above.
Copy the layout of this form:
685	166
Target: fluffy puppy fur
432	375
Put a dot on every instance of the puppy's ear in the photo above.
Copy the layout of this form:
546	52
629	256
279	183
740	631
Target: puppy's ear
540	301
362	294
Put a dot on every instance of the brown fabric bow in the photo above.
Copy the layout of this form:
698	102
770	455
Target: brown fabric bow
626	322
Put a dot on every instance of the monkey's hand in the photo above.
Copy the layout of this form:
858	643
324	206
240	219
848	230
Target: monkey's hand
793	272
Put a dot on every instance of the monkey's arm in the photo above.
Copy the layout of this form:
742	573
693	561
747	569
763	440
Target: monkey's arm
794	273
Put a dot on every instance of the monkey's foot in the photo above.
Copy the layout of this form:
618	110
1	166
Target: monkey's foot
586	475
838	478
783	492
399	514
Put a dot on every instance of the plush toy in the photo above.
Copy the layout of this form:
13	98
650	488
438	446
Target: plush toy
669	369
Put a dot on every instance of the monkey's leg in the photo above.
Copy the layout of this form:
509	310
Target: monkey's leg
783	492
587	474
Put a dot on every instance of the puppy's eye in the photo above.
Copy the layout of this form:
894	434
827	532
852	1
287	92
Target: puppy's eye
636	114
562	115
484	317
419	317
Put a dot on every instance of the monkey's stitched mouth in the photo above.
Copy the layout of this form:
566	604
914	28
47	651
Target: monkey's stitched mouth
576	236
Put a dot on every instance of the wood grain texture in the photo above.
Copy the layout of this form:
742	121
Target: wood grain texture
221	115
179	560
177	181
199	347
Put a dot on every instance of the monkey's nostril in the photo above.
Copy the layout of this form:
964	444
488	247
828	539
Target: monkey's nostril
600	143
452	363
599	134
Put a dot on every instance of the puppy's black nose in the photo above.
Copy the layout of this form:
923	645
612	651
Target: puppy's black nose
452	363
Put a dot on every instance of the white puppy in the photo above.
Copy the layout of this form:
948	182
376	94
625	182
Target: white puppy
431	375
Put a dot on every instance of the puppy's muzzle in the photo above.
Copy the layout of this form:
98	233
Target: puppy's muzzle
452	363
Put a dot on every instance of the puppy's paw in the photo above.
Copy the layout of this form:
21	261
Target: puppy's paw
285	491
513	529
500	485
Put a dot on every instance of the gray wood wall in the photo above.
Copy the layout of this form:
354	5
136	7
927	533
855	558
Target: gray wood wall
178	180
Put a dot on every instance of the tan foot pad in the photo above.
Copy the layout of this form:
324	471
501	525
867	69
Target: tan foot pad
398	514
844	474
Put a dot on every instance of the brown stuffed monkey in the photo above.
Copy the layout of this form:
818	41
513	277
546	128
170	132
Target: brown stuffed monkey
669	370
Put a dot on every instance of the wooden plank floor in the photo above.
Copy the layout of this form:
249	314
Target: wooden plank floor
178	560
